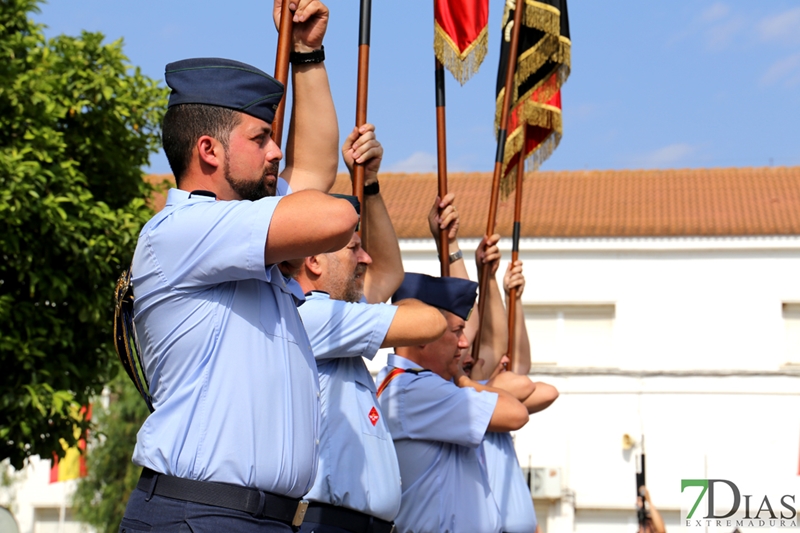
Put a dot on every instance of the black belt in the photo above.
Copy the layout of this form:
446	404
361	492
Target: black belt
256	502
331	515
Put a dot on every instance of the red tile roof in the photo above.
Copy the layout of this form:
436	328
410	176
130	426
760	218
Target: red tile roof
609	203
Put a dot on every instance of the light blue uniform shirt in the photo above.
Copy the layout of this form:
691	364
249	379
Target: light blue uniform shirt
233	380
437	429
357	462
508	485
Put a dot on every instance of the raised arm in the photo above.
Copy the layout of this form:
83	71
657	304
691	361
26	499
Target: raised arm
312	144
514	279
494	337
308	223
449	220
379	239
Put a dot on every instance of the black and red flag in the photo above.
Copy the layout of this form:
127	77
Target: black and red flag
543	65
460	35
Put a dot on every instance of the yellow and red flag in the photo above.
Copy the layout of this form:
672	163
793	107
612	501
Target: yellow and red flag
543	65
460	36
73	464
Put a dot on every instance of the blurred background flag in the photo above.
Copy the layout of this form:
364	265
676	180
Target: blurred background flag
460	36
73	464
543	65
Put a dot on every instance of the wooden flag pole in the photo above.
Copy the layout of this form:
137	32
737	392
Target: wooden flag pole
361	97
498	168
282	67
511	307
441	146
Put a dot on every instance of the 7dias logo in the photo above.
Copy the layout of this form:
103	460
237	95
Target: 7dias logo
727	506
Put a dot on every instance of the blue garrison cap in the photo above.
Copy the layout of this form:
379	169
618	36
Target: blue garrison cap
224	83
451	294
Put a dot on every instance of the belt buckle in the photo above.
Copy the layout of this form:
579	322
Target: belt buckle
300	513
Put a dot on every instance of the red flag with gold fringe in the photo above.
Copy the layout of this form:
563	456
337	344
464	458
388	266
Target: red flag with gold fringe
460	36
543	65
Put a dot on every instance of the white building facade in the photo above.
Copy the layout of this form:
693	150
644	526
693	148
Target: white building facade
691	343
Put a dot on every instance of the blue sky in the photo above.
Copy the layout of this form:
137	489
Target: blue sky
693	83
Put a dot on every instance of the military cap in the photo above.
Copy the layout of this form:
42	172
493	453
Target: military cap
456	295
224	83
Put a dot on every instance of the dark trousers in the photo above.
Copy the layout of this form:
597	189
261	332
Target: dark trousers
165	515
311	527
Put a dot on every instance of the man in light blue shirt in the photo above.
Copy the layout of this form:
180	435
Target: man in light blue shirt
233	442
357	487
438	417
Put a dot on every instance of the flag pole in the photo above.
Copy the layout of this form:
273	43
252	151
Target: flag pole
441	146
511	307
361	97
498	168
282	67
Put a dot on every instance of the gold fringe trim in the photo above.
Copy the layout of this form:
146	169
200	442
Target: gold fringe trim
549	48
462	65
532	114
538	15
544	95
543	17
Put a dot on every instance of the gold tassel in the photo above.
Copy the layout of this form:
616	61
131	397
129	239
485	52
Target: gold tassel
531	114
542	17
461	65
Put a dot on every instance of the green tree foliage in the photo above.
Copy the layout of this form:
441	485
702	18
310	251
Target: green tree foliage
101	496
77	123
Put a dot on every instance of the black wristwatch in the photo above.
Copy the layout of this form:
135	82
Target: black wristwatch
307	58
372	189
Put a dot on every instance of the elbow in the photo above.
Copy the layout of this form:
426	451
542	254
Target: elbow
436	324
520	417
341	220
549	393
431	325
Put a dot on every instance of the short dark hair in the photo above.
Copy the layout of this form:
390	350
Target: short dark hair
185	123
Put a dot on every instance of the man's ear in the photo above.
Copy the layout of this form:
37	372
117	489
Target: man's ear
210	151
313	264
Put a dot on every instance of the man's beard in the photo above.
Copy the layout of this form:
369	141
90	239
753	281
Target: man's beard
350	289
254	190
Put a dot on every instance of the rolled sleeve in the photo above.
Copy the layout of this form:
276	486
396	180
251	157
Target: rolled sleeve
344	329
224	241
438	410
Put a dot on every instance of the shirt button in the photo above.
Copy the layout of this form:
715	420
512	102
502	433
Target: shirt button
317	394
317	441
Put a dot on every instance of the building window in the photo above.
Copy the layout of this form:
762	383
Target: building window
571	334
791	324
55	520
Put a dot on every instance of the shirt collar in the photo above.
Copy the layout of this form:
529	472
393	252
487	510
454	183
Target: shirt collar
176	196
401	362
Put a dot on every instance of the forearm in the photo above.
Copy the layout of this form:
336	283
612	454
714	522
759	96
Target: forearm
385	274
509	413
414	323
293	234
494	336
521	362
312	145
